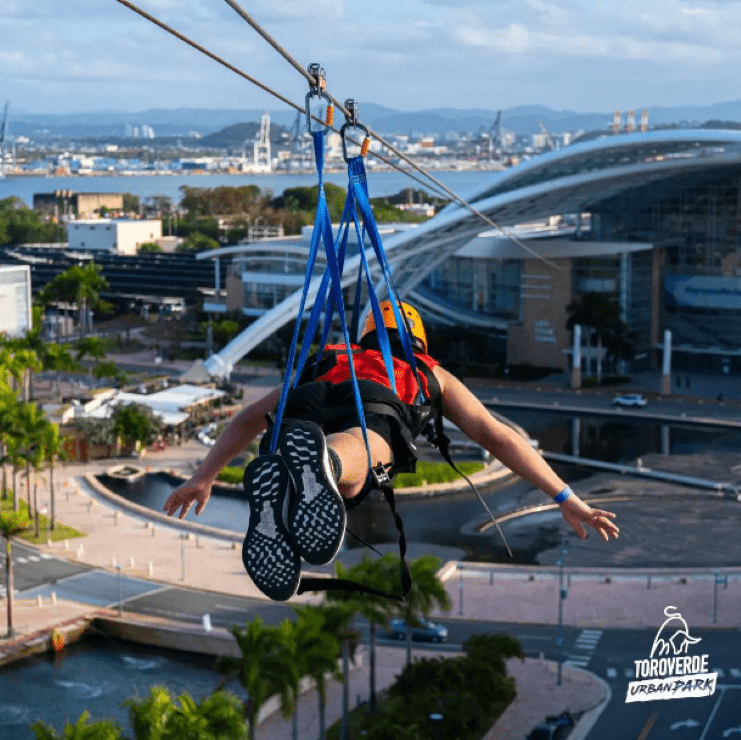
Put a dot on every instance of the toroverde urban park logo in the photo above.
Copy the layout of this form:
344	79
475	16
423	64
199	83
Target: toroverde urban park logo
671	671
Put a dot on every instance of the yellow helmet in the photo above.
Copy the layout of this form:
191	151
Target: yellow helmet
413	321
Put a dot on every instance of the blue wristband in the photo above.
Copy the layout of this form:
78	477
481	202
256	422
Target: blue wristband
561	497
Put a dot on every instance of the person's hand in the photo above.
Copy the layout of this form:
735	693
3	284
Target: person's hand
578	513
183	497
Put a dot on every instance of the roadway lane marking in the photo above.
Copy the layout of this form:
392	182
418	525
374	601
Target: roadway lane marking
735	672
595	633
712	714
629	673
20	560
46	556
33	558
155	590
612	673
579	663
533	637
719	671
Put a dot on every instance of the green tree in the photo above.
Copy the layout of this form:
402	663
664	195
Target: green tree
316	649
149	247
54	449
9	412
131	203
159	717
59	358
135	423
93	348
12	523
17	362
110	369
104	729
264	669
376	609
198	242
80	284
19	224
30	435
222	331
426	593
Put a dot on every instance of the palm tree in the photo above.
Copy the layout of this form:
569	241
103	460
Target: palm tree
17	361
109	369
104	729
158	717
93	348
217	717
600	313
317	649
9	406
376	609
81	285
31	431
425	594
265	668
12	524
59	358
54	449
149	716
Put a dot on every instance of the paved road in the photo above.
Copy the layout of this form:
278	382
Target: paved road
685	410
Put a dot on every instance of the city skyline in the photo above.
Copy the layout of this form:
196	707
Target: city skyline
84	55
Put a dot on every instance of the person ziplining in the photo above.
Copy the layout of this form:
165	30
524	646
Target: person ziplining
345	421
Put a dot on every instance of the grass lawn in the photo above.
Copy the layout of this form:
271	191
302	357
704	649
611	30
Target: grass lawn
60	532
435	472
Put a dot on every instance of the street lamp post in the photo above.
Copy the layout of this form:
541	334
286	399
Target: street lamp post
436	718
562	593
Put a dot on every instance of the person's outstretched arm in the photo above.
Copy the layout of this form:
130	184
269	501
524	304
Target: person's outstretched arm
241	430
473	419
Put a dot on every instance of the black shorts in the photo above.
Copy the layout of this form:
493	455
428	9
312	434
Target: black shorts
320	402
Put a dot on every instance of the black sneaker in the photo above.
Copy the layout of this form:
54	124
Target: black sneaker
271	561
316	517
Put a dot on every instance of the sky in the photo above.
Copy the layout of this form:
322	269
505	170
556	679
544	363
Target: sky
585	55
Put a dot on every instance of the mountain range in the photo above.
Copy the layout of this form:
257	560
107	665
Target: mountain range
523	119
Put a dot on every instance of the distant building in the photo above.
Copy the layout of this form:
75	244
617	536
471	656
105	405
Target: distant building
15	300
84	205
123	237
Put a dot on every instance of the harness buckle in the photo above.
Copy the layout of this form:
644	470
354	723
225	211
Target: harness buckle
381	476
317	90
351	121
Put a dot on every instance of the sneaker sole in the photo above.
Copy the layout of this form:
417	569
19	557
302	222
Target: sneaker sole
316	519
268	556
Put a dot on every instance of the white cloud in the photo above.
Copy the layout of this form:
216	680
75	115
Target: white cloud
514	38
416	53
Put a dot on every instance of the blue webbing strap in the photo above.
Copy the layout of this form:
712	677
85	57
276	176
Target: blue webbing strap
359	189
321	224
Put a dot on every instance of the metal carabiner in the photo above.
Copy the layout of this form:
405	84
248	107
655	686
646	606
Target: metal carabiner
316	90
351	121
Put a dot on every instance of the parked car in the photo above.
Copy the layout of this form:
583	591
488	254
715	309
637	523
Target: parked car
554	728
629	399
427	630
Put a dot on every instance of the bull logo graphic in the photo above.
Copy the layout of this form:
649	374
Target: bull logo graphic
673	637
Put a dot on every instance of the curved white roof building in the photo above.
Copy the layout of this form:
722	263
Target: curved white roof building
650	219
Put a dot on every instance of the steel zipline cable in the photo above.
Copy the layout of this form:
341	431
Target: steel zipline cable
310	78
312	81
182	37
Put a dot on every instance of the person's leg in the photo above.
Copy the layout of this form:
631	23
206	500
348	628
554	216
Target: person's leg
349	447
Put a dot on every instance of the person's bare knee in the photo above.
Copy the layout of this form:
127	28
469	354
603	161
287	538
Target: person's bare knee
349	447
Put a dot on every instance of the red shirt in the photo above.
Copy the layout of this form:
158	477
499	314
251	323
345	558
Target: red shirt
369	365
